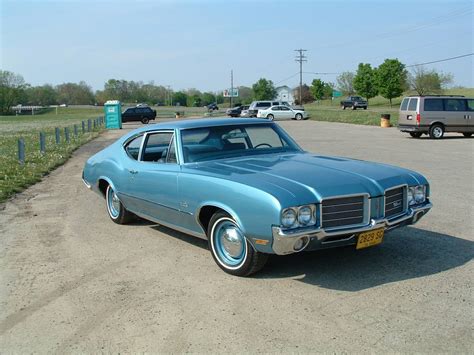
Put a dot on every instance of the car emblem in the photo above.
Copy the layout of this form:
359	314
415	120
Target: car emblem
396	204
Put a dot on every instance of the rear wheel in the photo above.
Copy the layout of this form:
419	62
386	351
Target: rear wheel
117	212
415	134
365	107
270	117
467	134
343	107
354	107
230	248
436	131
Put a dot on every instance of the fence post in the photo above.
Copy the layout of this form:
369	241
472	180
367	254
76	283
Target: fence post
66	134
75	130
21	151
42	143
89	125
95	124
83	127
58	137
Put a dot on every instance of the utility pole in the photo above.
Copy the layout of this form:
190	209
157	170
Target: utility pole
231	86
300	59
170	97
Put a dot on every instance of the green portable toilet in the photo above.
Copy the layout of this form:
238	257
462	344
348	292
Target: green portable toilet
113	114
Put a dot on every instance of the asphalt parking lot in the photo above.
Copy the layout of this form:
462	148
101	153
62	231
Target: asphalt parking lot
72	280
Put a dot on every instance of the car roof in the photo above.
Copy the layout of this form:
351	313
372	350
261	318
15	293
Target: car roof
198	123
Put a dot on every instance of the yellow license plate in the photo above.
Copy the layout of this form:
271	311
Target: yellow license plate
369	239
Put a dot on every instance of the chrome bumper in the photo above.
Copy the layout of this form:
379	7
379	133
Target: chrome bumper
284	240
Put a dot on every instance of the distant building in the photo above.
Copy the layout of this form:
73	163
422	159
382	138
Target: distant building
284	93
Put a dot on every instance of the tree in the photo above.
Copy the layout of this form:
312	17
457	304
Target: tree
306	95
180	98
75	94
428	81
42	95
246	95
208	98
391	79
12	90
317	89
264	90
345	83
365	81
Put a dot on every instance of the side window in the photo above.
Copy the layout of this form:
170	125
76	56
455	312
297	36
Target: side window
156	147
276	108
171	157
133	147
284	108
455	105
412	104
404	105
275	103
434	105
470	104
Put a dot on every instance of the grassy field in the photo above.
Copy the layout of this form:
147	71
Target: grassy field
15	177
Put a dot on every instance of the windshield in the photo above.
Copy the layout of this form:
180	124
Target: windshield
209	143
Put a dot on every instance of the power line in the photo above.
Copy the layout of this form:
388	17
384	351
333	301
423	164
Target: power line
292	76
300	59
441	60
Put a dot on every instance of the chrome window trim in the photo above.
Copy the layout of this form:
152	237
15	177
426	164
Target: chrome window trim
145	136
405	201
131	139
366	216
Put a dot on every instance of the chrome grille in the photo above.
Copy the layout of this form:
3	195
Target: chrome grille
394	202
341	212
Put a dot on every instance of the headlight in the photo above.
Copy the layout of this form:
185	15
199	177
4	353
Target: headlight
419	194
305	215
288	217
416	194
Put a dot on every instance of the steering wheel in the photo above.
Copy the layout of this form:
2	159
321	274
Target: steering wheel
263	145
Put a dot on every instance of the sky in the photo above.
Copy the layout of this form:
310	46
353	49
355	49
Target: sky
196	44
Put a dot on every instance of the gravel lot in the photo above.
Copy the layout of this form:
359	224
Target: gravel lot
73	281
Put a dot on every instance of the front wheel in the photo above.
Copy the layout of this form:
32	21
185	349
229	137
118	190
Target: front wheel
343	107
354	107
145	120
230	248
415	134
299	116
270	117
117	212
467	134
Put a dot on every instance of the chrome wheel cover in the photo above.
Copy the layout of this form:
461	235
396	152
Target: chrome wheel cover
228	243
113	203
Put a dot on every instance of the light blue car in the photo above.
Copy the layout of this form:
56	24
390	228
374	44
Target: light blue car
250	190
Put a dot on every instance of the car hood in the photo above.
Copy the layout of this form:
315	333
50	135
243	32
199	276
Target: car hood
308	176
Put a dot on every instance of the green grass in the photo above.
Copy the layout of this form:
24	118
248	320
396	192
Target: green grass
15	177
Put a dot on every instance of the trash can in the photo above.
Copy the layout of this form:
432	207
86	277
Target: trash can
385	120
113	114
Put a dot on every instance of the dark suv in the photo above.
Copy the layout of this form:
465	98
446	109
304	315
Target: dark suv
143	114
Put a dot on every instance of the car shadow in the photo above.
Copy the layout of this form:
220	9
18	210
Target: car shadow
405	254
198	242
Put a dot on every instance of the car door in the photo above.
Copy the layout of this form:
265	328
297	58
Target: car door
153	178
470	115
455	112
286	112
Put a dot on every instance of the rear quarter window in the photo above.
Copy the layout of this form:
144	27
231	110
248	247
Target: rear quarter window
412	104
434	105
404	105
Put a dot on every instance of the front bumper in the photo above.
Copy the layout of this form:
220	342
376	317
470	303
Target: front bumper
284	240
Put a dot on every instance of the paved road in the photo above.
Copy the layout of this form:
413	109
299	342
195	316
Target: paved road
71	280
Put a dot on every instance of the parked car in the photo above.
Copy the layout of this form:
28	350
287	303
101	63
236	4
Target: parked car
281	112
354	102
212	107
255	106
435	114
236	111
143	114
246	187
